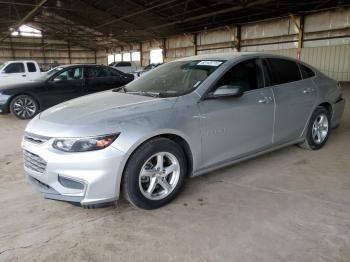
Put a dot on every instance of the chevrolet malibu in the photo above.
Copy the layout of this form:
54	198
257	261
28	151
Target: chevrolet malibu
182	119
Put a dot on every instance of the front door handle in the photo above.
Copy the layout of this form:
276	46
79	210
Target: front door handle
24	75
308	90
265	100
262	101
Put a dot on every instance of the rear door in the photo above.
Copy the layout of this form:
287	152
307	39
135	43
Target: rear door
295	98
98	78
119	78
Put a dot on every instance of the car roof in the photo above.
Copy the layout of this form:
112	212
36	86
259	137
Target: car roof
219	56
233	55
20	61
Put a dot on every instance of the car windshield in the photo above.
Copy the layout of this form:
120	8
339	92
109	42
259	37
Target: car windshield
45	76
175	78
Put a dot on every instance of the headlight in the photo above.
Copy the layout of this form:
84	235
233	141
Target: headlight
3	98
84	144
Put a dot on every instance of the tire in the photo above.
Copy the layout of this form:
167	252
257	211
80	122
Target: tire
317	133
154	174
24	107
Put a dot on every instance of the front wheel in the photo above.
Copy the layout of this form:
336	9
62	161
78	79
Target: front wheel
154	174
318	129
24	107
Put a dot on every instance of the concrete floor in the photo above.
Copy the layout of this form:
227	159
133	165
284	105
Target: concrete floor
289	205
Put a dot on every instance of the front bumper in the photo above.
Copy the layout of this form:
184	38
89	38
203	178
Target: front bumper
4	109
4	104
88	177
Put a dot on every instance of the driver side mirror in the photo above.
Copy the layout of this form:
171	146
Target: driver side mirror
227	91
58	80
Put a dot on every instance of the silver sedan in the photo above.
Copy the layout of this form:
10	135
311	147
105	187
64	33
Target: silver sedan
182	119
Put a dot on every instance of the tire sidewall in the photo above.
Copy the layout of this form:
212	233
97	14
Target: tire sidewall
20	97
135	163
315	114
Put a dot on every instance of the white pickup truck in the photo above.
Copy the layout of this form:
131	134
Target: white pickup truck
125	67
13	72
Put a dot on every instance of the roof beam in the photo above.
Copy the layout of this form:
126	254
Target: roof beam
135	13
28	16
215	13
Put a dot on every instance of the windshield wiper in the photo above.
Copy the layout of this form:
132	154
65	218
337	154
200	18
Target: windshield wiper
120	88
145	93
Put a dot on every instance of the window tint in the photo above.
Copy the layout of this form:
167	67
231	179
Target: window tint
91	72
306	72
104	72
247	75
115	72
71	74
124	64
283	71
15	68
31	67
95	72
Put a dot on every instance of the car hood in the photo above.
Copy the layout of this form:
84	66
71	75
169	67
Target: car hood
21	86
96	114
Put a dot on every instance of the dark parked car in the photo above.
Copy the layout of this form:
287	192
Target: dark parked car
60	84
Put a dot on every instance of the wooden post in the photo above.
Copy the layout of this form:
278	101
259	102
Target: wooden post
141	56
238	38
69	53
43	50
300	28
164	49
12	50
195	44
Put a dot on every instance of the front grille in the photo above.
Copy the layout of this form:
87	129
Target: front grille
34	162
37	139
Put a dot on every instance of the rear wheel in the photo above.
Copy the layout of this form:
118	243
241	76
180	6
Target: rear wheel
318	129
24	107
154	174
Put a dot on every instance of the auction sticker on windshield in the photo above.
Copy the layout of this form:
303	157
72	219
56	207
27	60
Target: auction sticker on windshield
210	63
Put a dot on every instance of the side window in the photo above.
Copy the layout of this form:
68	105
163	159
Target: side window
283	71
31	67
103	72
15	68
74	73
247	74
306	72
115	72
91	72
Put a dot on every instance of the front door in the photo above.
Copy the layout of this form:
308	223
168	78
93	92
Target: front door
235	126
67	85
13	73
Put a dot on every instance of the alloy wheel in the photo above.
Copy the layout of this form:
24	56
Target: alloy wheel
24	107
159	176
320	128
